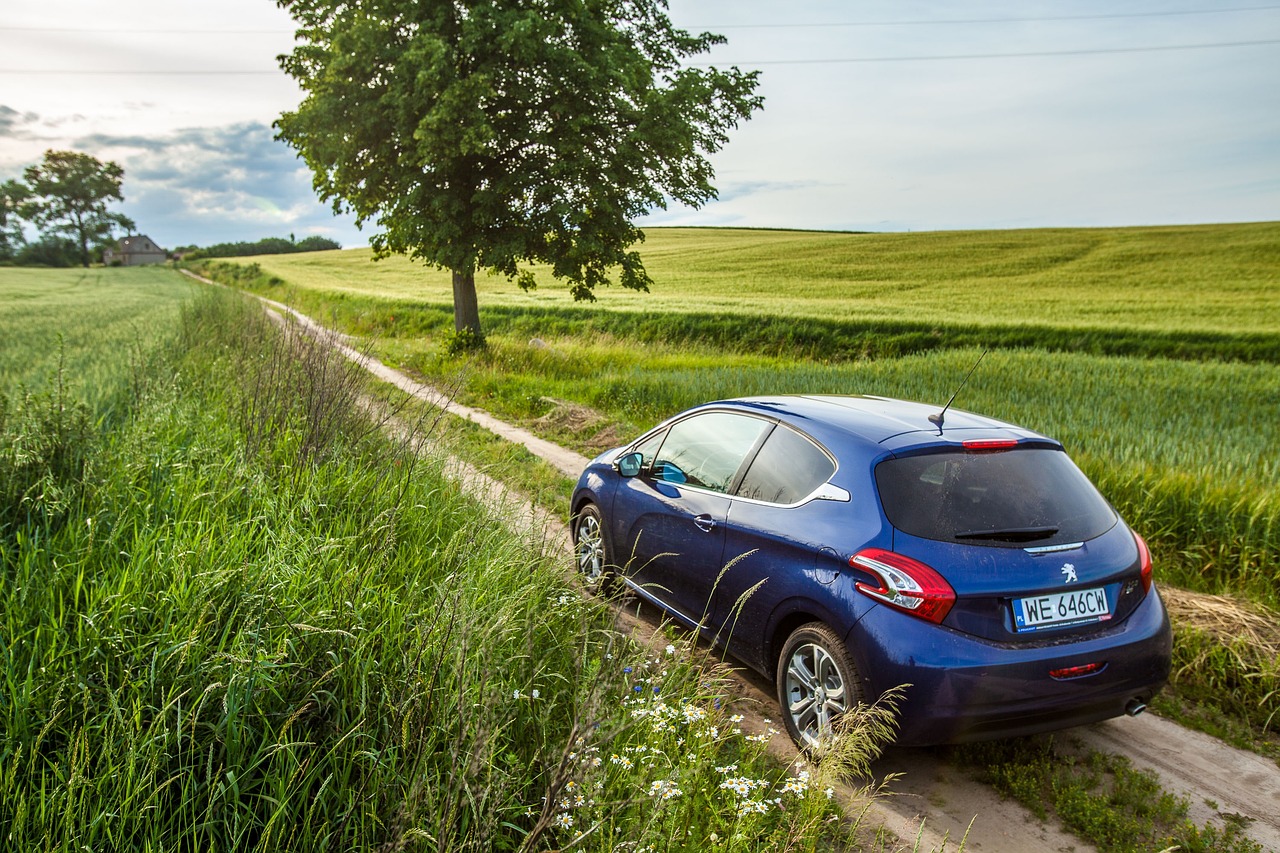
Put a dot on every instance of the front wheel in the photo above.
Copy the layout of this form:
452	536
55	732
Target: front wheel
591	550
817	682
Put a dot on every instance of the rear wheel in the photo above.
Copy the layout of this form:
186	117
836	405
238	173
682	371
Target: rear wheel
817	682
591	550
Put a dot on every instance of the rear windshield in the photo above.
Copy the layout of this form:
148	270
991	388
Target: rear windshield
1014	498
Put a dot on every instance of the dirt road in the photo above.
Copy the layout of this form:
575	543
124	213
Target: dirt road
931	803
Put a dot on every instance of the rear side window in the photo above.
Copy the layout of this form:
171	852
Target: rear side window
786	470
1013	498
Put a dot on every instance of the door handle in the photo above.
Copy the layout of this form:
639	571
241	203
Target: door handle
705	523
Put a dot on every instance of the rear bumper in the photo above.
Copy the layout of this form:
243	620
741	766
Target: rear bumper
972	689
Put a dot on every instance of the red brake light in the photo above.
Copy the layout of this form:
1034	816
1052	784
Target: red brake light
905	584
989	443
1068	672
1144	557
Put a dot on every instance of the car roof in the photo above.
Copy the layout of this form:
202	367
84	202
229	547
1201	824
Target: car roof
892	424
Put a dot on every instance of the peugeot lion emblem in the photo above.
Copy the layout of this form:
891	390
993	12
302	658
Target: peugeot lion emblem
1070	571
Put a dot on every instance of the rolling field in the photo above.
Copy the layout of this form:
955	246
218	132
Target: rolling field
105	319
1036	286
1211	278
1152	353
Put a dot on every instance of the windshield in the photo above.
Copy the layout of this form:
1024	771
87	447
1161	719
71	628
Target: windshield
1014	498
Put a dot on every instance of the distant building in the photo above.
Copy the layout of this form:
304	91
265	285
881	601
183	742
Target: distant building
134	251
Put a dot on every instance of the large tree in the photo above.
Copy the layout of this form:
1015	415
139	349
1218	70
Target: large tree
68	194
486	134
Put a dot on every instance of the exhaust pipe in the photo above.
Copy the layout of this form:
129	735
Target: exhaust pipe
1134	707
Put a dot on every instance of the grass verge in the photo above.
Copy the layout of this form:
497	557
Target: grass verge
245	628
1226	670
1101	798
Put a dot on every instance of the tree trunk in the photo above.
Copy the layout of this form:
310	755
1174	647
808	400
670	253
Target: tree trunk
82	233
466	308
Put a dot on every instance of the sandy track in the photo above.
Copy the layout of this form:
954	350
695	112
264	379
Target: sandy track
932	803
1218	779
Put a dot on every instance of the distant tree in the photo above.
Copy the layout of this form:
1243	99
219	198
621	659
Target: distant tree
12	194
51	250
316	243
69	192
265	246
483	134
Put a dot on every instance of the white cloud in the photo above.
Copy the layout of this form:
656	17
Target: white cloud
858	131
220	184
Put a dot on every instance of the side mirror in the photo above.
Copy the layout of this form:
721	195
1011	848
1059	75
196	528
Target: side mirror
630	464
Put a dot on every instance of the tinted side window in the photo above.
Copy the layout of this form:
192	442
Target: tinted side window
787	469
707	450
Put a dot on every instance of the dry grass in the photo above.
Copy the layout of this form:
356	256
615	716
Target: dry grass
591	429
1226	655
1230	620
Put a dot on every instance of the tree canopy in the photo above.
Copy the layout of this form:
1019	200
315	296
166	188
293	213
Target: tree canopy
265	246
68	193
488	134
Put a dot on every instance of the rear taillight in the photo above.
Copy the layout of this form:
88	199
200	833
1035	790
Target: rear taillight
905	584
1144	557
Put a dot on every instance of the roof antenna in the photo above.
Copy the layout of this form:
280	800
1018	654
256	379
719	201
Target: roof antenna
937	419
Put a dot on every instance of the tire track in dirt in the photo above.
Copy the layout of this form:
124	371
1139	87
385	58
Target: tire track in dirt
1217	779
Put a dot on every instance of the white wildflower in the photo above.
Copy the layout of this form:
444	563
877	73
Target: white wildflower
664	788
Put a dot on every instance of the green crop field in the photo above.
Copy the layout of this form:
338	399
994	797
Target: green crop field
1152	353
95	320
1034	285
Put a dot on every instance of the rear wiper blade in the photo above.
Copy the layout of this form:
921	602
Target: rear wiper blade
1009	534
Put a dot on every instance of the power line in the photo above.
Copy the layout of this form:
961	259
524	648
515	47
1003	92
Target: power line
132	32
1027	55
837	61
911	23
950	21
138	72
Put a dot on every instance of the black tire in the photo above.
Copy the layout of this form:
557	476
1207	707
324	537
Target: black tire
817	682
591	553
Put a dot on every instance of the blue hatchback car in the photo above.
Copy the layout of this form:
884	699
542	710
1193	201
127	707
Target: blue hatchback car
847	545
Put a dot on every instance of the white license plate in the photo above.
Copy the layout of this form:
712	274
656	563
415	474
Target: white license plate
1061	609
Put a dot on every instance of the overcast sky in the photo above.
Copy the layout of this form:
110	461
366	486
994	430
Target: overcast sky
880	115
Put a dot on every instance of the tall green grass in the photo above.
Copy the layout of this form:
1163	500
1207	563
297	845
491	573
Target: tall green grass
247	632
1185	450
